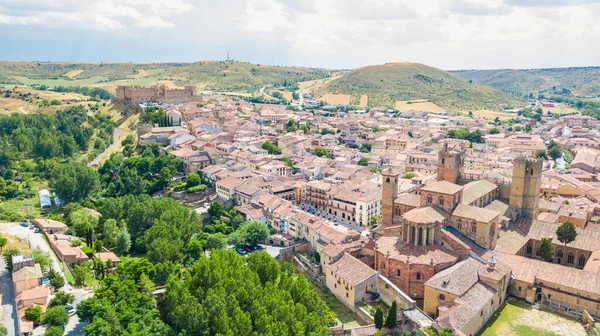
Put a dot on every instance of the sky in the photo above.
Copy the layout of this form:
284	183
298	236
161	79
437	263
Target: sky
339	34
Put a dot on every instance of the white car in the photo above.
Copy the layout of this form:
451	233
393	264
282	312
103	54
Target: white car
71	312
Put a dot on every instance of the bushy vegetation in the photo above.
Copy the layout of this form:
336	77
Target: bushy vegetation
386	84
463	133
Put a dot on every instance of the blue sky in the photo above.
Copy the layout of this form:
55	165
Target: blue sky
450	34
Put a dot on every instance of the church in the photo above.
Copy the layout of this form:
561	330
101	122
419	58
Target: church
447	221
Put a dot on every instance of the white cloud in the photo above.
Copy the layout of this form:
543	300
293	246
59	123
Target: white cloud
330	33
97	15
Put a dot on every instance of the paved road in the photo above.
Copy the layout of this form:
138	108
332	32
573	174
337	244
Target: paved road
96	161
74	326
8	300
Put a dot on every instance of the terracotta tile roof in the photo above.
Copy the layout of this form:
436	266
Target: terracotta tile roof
443	187
229	182
467	307
530	270
106	256
424	215
352	270
332	250
402	251
408	199
587	240
477	189
27	272
34	293
456	279
511	241
479	214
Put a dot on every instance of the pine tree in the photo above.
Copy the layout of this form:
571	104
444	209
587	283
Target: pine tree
392	319
378	318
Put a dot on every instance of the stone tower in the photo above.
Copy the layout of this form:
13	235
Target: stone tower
389	192
449	163
525	187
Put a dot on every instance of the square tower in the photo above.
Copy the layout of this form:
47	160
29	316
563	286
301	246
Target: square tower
389	192
525	186
449	163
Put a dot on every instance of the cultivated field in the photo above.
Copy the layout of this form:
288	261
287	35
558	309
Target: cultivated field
517	318
60	82
336	99
560	109
417	105
489	114
364	101
73	73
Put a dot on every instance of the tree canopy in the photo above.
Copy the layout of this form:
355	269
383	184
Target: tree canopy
566	232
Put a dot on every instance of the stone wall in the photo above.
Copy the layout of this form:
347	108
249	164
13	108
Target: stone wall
390	292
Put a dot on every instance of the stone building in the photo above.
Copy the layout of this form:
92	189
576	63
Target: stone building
389	192
157	94
449	163
525	188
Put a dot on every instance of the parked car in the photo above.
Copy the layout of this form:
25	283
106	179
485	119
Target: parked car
36	230
241	252
24	224
71	312
247	249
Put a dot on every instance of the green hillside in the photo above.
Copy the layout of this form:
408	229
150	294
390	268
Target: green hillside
213	75
581	82
388	83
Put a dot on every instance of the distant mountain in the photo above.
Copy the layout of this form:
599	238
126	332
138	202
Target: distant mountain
213	75
581	81
388	83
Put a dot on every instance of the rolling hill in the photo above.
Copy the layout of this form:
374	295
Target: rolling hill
209	75
579	81
388	83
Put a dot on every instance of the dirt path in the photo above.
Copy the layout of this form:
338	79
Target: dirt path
22	109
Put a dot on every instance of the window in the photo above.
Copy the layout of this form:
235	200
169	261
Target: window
387	180
473	228
459	224
346	294
519	289
559	254
443	160
429	199
441	201
442	297
382	266
418	276
581	261
398	272
571	258
529	248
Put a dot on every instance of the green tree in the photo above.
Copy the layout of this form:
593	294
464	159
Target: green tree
110	229
61	299
409	175
99	327
378	318
271	148
364	161
216	241
320	152
54	331
494	131
566	232
55	316
56	280
83	223
391	320
295	95
8	258
33	314
3	242
74	182
216	210
555	152
192	180
255	232
374	221
3	331
546	249
82	274
42	258
541	154
123	241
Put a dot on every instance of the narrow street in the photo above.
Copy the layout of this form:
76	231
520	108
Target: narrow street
109	149
8	300
74	326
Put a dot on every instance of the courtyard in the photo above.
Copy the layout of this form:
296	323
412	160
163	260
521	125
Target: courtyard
518	318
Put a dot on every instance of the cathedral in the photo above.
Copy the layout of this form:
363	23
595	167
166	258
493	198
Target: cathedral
444	222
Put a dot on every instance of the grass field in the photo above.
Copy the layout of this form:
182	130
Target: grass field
517	318
344	314
12	105
336	99
424	106
560	109
62	81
